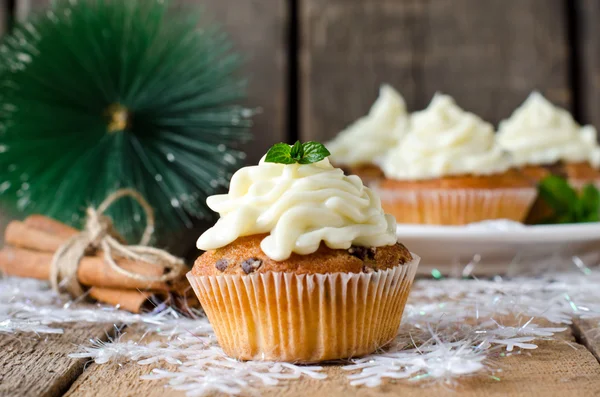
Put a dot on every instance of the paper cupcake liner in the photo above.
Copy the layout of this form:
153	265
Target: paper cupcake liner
305	318
456	206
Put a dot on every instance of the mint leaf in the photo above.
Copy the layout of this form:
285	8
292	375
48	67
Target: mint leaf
301	153
558	194
589	204
314	152
297	152
569	205
280	153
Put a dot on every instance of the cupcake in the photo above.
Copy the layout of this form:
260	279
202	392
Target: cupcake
358	148
449	170
302	266
544	139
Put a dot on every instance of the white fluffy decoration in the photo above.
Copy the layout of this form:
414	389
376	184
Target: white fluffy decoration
451	328
202	365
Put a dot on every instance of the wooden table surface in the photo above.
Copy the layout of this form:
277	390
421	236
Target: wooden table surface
33	365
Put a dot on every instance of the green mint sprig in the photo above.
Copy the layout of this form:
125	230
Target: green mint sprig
301	153
568	205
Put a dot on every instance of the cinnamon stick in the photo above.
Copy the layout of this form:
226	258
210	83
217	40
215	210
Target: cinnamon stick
38	237
49	225
20	234
40	233
130	300
43	234
93	270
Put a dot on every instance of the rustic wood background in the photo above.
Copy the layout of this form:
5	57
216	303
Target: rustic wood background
316	65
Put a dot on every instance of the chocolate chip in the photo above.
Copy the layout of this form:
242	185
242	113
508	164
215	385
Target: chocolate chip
371	252
359	252
362	253
221	264
251	265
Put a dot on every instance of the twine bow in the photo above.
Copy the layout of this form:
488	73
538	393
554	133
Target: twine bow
99	234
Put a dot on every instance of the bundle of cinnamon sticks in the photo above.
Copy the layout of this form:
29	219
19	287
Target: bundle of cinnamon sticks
31	244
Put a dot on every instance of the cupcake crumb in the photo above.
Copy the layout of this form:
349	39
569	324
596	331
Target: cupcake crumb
251	265
221	264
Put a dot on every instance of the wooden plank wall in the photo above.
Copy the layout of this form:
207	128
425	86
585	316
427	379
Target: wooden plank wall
321	62
487	54
587	60
259	28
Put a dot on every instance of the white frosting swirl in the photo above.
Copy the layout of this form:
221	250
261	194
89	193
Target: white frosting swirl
373	135
540	133
300	206
445	140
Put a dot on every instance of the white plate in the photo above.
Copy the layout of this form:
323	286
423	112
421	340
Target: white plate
495	247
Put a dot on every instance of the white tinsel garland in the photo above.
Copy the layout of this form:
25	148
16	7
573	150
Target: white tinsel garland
451	328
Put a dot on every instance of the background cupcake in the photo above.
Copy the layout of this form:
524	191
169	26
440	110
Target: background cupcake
303	264
359	147
449	170
544	139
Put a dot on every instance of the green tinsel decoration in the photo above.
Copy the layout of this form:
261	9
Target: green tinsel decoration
96	95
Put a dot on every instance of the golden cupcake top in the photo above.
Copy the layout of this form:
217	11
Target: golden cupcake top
444	140
540	133
299	200
246	257
371	136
